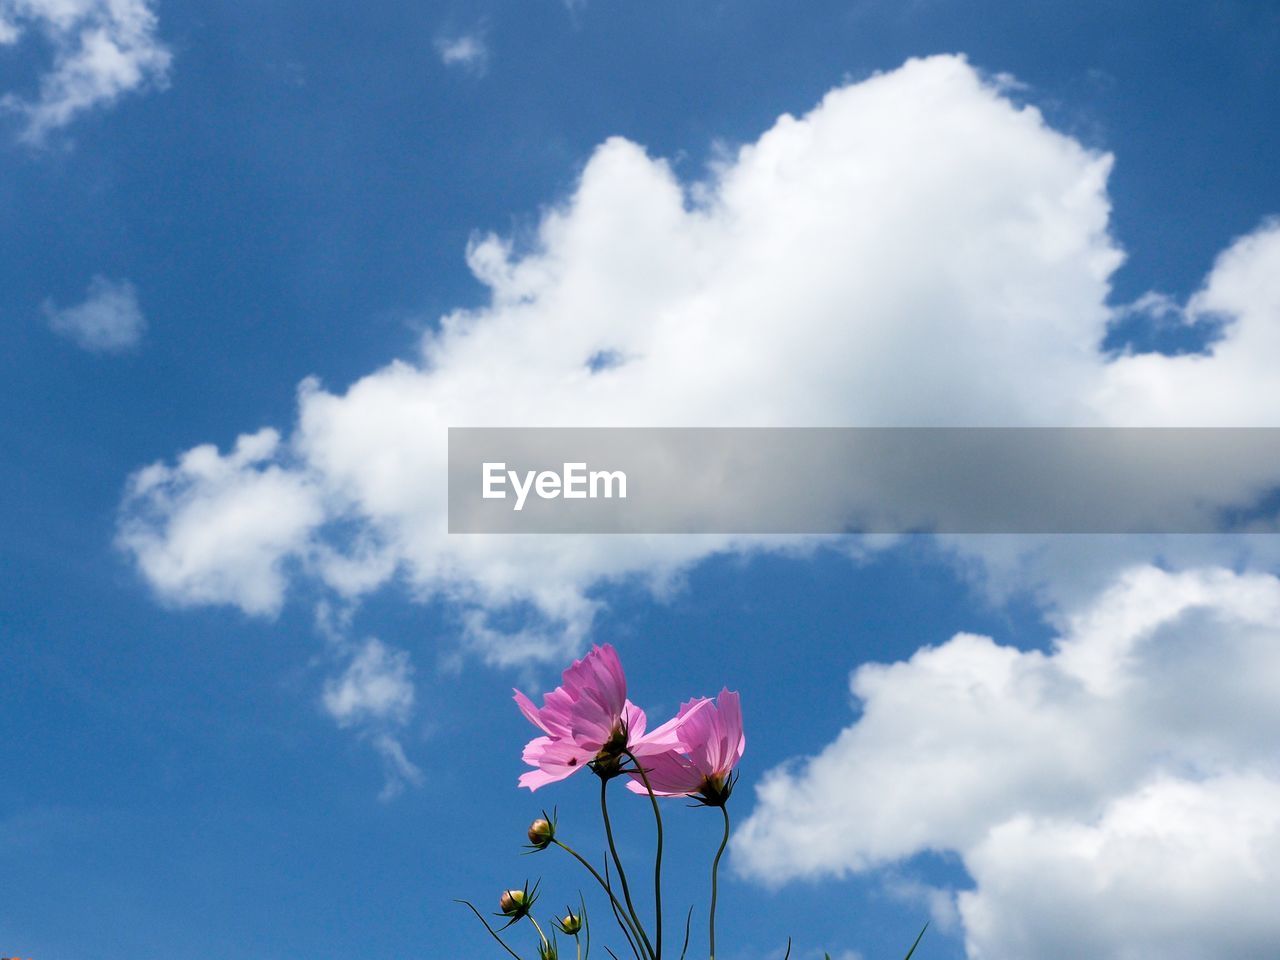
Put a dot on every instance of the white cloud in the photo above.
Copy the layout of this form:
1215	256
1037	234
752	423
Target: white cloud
467	50
1113	797
109	320
795	286
219	529
102	50
1179	870
399	770
377	686
374	695
1233	385
1157	306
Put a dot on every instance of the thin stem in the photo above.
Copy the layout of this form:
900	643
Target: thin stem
657	860
617	862
619	915
493	934
539	929
715	877
607	887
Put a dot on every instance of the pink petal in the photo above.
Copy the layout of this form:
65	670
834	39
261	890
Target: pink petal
734	741
670	775
634	720
555	760
534	779
531	713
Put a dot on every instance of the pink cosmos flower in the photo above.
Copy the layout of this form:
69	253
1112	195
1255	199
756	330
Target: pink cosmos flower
588	719
710	744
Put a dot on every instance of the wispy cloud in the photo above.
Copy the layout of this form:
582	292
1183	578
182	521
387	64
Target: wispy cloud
102	50
467	51
374	695
108	320
376	687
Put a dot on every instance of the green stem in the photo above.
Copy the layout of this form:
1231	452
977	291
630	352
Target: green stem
604	884
657	860
624	922
539	929
617	862
715	877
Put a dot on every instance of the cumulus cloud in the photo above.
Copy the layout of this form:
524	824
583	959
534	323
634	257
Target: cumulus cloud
102	50
795	285
1177	869
109	320
1229	384
1112	797
467	50
218	528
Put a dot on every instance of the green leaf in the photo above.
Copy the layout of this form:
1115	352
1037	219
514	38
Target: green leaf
919	937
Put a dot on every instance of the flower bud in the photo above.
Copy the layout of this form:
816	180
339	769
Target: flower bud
514	903
541	832
570	924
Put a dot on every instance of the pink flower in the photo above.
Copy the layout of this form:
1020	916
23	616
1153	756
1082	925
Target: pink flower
588	720
710	744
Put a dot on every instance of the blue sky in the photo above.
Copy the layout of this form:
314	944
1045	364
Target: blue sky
290	192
